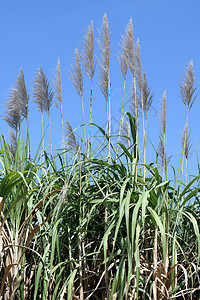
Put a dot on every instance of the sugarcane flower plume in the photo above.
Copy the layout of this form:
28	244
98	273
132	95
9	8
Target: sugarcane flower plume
70	139
22	94
13	111
186	145
123	56
130	47
43	94
76	75
104	48
88	52
138	66
58	86
188	86
147	95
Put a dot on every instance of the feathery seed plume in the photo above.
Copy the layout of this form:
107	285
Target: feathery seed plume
134	101
43	97
147	95
43	94
88	52
22	94
123	56
13	111
13	143
17	103
162	152
186	145
76	75
138	66
58	86
88	61
188	96
188	87
70	138
104	48
163	114
104	72
130	47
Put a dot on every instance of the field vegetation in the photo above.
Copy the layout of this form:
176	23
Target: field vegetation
103	223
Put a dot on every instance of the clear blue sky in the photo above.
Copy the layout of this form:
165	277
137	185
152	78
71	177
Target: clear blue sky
35	33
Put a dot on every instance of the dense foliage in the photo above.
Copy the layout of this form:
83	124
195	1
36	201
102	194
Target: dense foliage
102	224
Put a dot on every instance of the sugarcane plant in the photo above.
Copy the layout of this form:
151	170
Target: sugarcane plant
102	222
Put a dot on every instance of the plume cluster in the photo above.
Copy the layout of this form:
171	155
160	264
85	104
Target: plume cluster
99	204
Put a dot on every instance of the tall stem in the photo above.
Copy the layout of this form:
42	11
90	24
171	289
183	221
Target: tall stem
144	135
89	133
165	162
155	260
186	159
184	146
145	143
105	254
63	134
28	137
186	163
106	206
42	117
50	132
83	117
136	117
80	238
109	115
121	119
